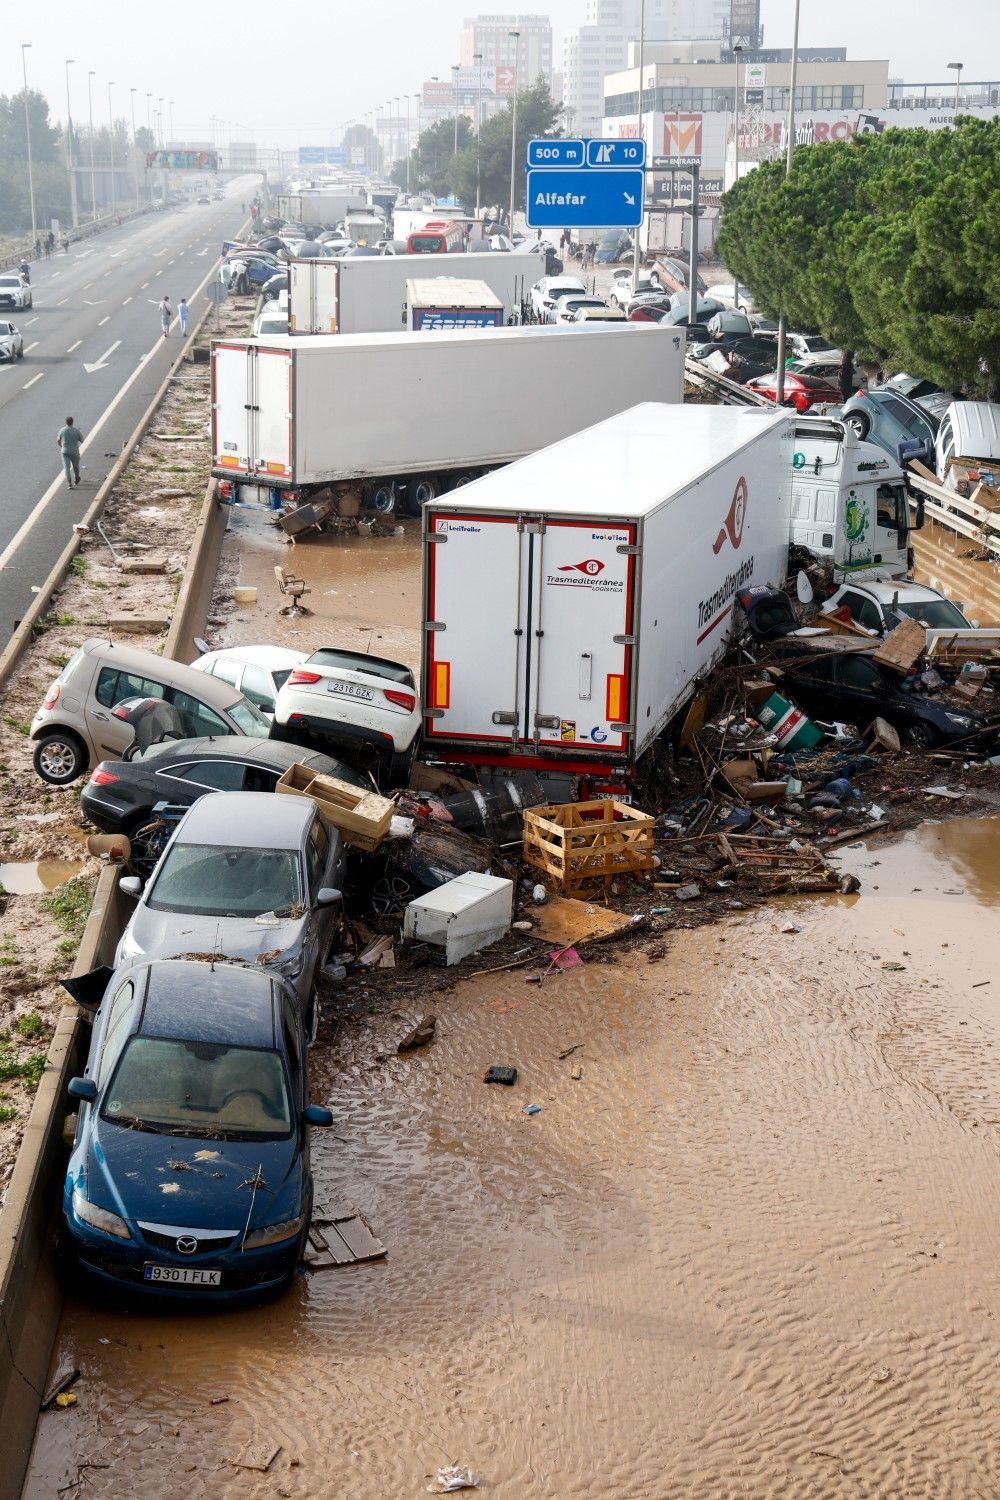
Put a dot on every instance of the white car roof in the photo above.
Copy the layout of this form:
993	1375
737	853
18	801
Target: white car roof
909	593
976	425
268	657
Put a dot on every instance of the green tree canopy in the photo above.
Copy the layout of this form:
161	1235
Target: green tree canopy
888	243
13	139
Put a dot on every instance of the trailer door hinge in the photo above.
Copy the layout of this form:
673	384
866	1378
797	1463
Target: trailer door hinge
628	549
435	625
504	716
547	721
624	640
533	528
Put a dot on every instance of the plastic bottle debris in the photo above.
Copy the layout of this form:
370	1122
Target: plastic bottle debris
539	895
532	1109
454	1477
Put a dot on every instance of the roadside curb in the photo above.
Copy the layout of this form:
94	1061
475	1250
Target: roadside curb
195	597
30	1292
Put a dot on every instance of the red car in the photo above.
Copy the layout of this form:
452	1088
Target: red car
801	391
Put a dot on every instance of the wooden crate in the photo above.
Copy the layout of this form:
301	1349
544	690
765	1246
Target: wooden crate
578	845
362	817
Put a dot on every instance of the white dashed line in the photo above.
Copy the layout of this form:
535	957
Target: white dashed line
145	284
29	347
33	379
104	320
30	321
74	346
59	304
126	302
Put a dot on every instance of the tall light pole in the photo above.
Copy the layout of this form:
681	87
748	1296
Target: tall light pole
162	101
90	115
477	58
513	134
135	147
111	148
397	101
454	97
956	68
408	139
779	390
171	120
75	212
27	131
737	50
636	254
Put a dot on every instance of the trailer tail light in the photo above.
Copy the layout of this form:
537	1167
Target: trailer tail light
614	702
104	778
304	679
441	685
52	696
402	700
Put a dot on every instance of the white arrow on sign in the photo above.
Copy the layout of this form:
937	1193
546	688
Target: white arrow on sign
102	363
629	199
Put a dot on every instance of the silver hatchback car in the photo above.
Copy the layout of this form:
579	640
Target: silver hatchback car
76	725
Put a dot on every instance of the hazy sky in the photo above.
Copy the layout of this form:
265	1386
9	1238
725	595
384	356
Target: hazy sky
291	72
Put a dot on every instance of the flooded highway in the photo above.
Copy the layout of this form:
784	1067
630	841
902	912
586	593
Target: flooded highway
745	1247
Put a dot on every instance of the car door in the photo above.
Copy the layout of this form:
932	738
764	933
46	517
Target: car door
197	719
112	686
258	686
810	688
861	691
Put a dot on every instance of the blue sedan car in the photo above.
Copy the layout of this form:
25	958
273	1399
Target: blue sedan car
189	1175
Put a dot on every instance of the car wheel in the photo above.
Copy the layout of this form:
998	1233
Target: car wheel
921	736
859	425
418	491
60	757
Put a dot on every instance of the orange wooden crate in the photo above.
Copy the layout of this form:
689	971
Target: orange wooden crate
581	844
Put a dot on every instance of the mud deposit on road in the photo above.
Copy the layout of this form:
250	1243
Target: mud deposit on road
749	1252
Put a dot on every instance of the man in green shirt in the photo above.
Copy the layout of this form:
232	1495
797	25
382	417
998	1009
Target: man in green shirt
68	442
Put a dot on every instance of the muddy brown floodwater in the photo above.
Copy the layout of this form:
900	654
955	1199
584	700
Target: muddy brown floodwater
749	1251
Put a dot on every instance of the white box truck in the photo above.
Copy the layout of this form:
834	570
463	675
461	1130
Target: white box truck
403	417
326	206
571	600
367	293
437	302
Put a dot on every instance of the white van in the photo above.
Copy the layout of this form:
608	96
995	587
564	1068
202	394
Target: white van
967	448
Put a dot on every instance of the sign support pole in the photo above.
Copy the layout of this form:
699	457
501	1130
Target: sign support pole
693	267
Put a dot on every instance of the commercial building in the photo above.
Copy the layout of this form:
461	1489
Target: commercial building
489	37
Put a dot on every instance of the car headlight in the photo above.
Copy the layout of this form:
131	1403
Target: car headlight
964	721
273	1234
100	1218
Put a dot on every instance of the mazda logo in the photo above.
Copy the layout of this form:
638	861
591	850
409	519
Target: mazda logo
187	1244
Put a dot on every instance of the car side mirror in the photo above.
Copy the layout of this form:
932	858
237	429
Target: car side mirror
328	895
313	1114
130	885
85	1089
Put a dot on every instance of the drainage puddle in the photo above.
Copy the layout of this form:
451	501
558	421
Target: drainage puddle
34	876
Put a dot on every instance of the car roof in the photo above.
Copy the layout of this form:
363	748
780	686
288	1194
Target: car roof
277	754
174	674
976	425
254	820
907	592
210	1002
261	656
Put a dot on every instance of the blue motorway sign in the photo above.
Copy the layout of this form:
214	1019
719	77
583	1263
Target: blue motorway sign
585	197
549	153
615	154
322	156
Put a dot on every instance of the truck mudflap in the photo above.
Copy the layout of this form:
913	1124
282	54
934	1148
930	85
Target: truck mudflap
529	651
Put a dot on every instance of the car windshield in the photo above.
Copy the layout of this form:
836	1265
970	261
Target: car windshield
423	242
249	719
274	325
936	614
10	281
199	1088
216	880
815	344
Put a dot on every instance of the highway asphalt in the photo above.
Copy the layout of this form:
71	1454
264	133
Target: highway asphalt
93	351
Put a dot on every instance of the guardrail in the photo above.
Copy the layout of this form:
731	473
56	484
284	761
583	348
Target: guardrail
729	392
81	232
958	513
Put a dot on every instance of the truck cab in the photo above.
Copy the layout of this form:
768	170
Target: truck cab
849	502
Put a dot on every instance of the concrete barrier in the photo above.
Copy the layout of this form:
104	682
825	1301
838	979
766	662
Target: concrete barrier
30	1293
195	598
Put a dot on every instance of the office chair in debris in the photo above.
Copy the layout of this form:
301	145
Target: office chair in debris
293	588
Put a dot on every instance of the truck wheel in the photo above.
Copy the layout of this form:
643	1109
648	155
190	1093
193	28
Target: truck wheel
464	479
380	496
418	491
60	757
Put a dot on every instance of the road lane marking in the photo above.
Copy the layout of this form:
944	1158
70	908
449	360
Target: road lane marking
87	285
126	302
39	376
30	321
104	320
60	304
102	363
145	284
31	346
56	487
74	346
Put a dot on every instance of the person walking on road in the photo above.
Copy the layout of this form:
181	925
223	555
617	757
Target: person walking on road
38	249
166	316
68	442
183	312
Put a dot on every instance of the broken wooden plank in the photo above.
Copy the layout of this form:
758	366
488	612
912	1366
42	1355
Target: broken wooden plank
902	647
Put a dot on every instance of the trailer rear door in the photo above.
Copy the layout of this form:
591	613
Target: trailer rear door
231	408
474	644
579	680
252	410
272	412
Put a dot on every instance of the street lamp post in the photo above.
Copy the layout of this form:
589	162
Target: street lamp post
956	68
454	97
90	116
162	102
408	138
397	115
171	120
111	148
135	147
779	389
478	60
737	50
636	253
513	135
74	210
27	131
